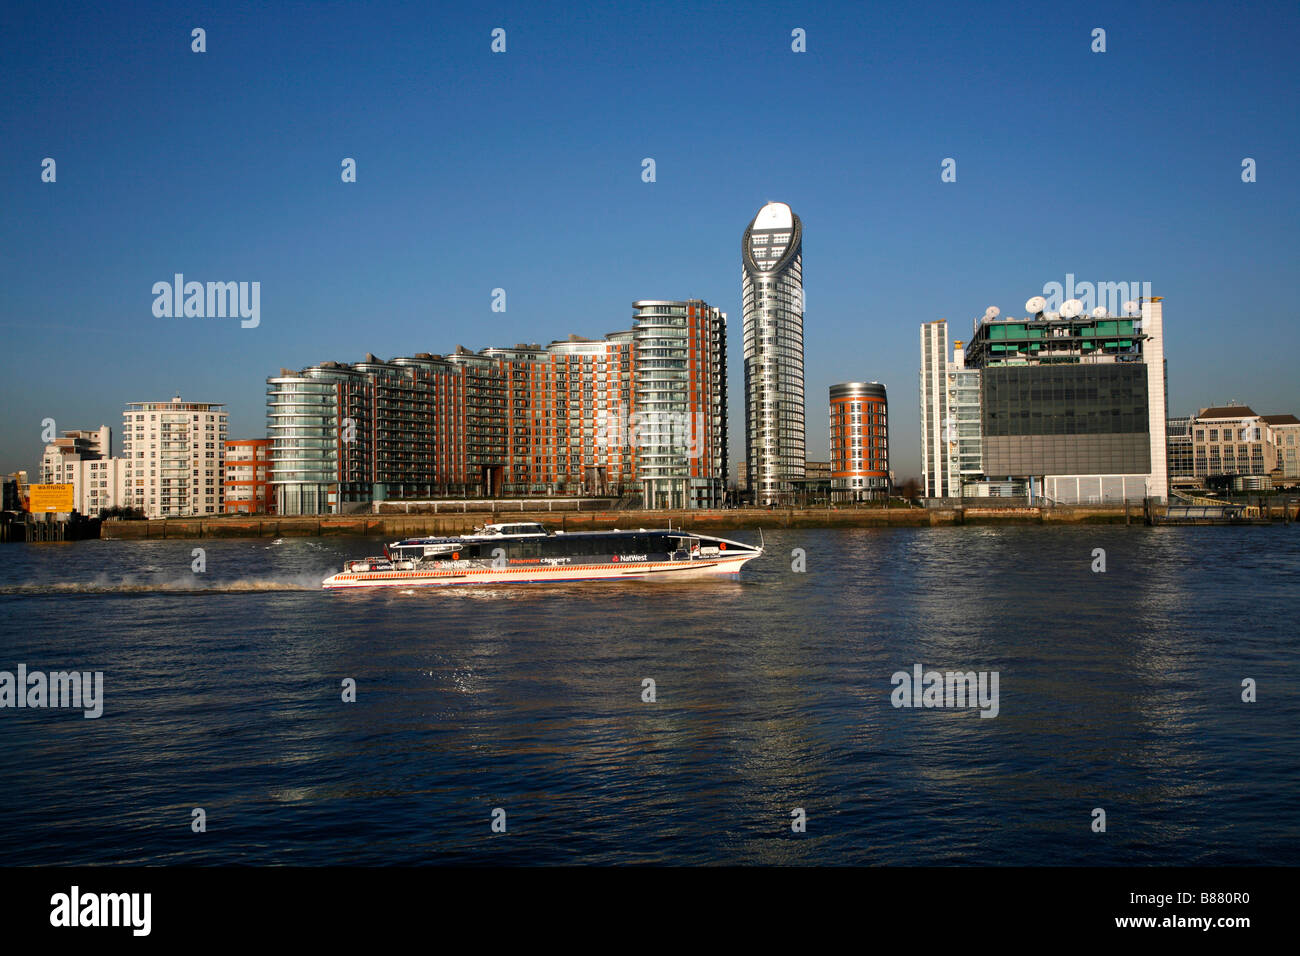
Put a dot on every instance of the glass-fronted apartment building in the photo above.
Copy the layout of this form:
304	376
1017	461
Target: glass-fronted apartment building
681	400
564	419
772	292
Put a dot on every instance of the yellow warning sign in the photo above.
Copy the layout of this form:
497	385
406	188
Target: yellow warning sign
46	498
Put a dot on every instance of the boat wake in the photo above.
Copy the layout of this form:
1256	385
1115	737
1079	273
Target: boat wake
175	586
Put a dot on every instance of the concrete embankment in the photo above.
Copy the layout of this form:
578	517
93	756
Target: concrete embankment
402	525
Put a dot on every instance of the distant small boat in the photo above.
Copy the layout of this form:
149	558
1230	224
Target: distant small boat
527	553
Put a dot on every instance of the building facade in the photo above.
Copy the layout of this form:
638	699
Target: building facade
1179	451
1070	408
246	487
577	417
172	455
1285	432
966	439
1232	441
75	445
15	490
84	459
772	293
940	474
859	441
680	403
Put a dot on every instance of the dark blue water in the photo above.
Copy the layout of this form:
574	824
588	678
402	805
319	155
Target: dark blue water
1119	690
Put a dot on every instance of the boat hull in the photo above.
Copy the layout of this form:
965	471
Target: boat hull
449	575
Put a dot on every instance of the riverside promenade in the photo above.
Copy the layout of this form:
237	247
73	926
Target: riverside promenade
400	524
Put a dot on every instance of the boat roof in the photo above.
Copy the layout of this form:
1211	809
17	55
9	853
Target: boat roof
568	534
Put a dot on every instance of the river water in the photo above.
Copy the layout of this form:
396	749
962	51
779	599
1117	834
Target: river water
222	690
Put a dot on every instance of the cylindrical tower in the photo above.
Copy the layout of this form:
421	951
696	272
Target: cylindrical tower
859	441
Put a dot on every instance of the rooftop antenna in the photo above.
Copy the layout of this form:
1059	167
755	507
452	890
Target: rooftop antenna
1071	308
1036	305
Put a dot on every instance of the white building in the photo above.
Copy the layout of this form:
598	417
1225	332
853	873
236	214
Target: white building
99	485
940	463
1149	326
174	454
773	300
61	455
83	458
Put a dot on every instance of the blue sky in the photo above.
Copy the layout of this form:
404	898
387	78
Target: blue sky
522	171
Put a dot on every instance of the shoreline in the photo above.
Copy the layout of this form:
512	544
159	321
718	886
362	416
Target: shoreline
408	525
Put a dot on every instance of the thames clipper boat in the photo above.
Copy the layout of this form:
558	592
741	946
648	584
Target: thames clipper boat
522	553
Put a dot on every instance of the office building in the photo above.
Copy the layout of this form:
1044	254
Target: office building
1179	451
1285	432
1071	407
1232	441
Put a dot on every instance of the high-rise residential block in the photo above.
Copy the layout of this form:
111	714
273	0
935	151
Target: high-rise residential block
773	301
173	453
859	441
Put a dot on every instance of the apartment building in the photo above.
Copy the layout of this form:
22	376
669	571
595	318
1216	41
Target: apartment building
173	453
576	417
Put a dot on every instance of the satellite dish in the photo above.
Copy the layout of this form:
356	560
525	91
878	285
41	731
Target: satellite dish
1071	308
1036	304
1099	312
1130	307
1052	316
992	312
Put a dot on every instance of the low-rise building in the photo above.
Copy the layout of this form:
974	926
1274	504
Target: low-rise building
1285	431
1230	441
83	458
